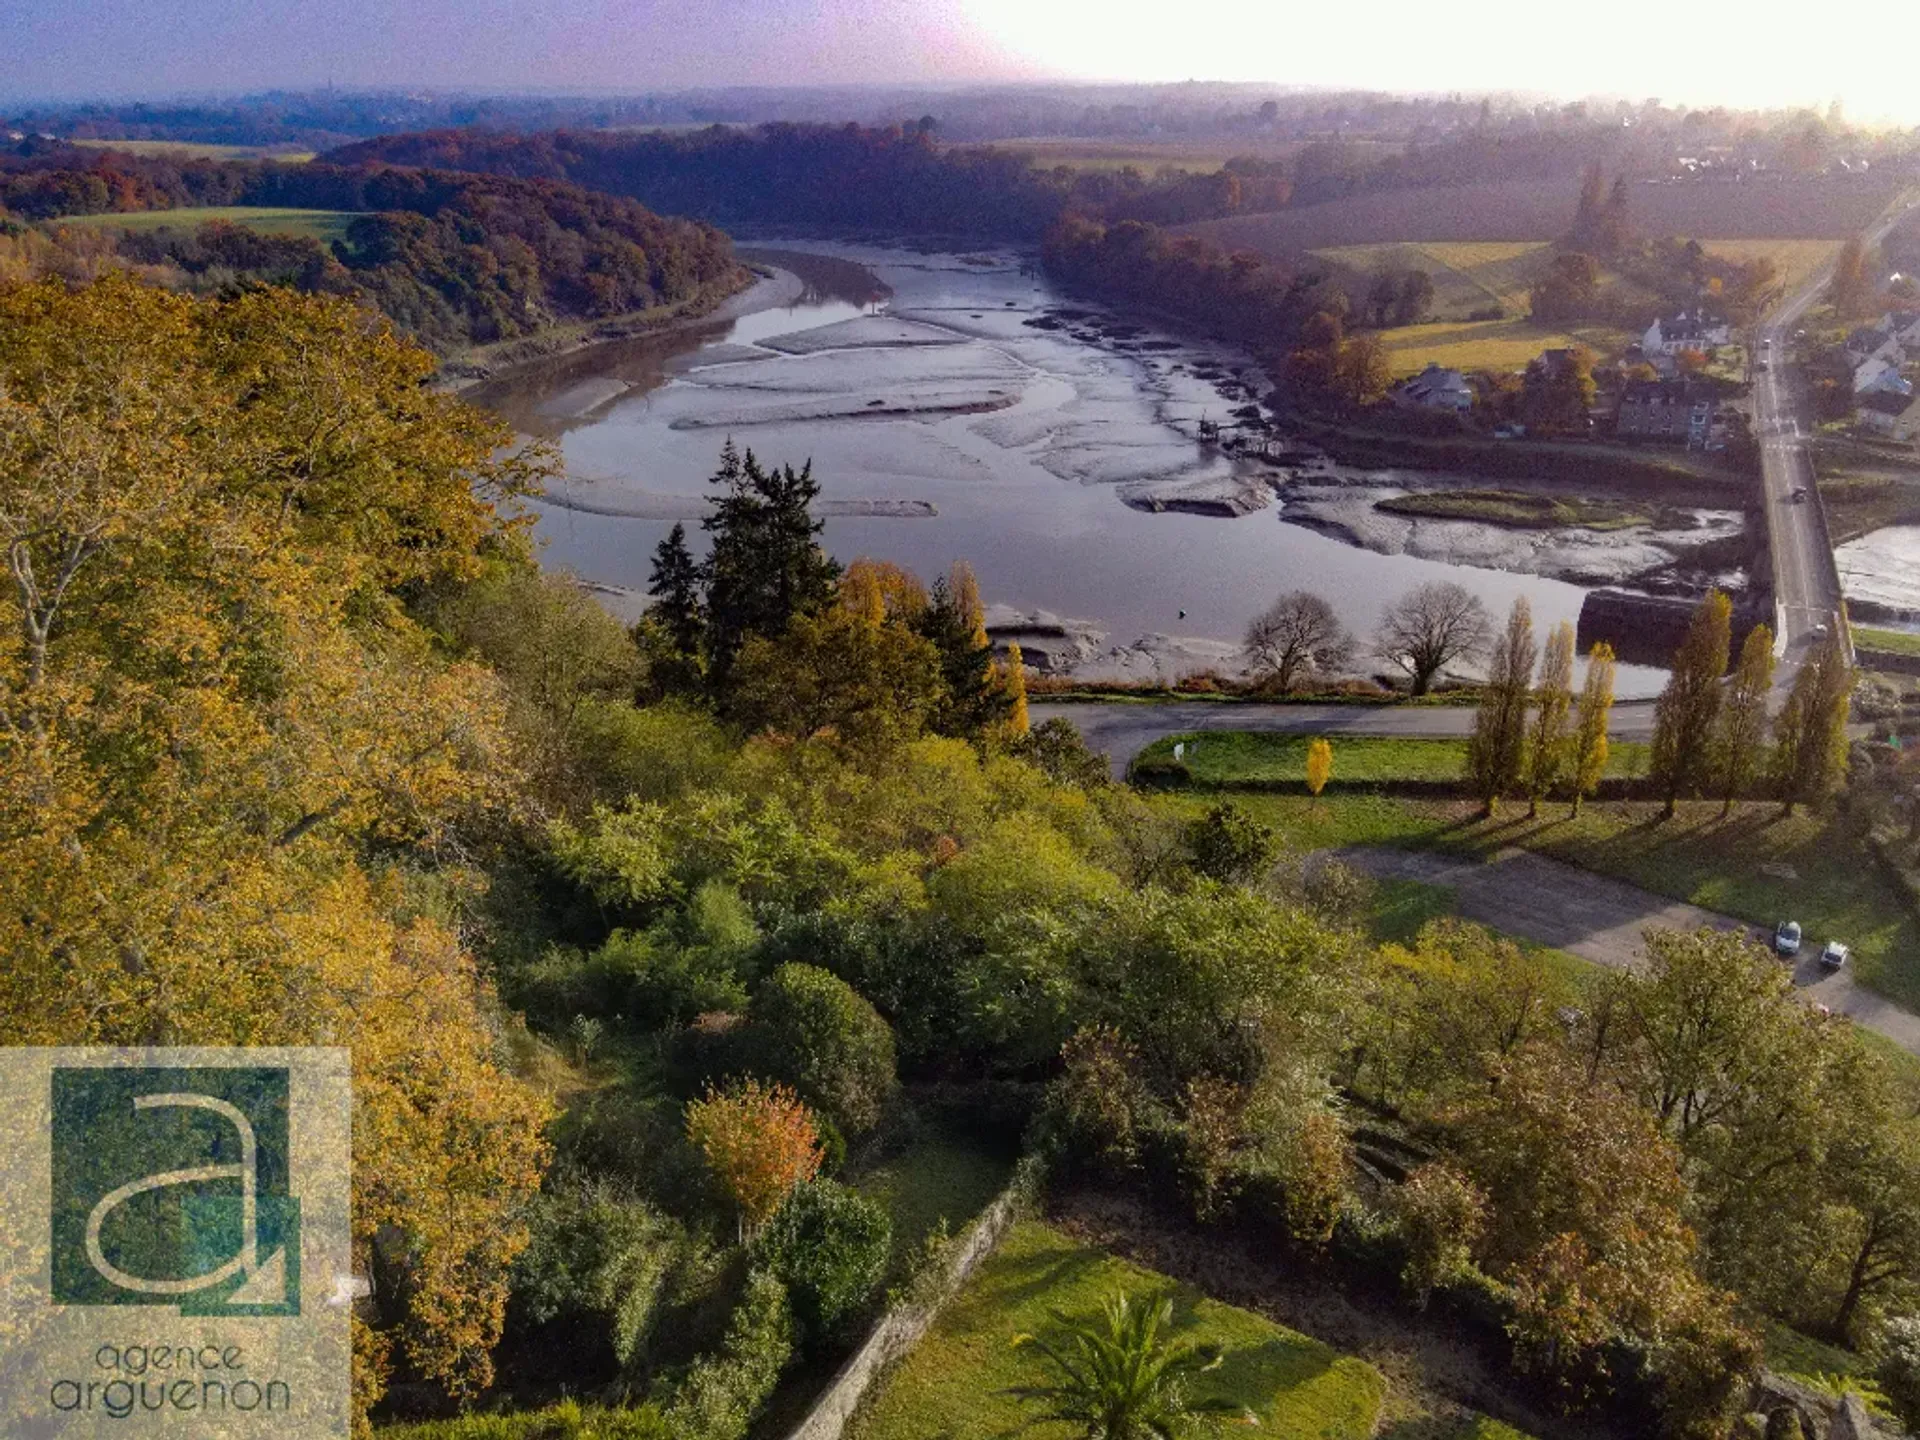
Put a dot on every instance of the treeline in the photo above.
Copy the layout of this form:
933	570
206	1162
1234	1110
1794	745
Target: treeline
895	178
452	259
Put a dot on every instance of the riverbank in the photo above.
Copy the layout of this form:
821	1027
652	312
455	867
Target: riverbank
744	293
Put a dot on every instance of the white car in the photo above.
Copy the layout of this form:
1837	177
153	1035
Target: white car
1786	938
1833	956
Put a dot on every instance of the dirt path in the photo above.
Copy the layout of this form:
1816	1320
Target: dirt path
1604	920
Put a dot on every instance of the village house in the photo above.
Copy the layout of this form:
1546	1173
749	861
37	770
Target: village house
1880	376
1436	389
1697	331
1891	414
1675	410
1876	342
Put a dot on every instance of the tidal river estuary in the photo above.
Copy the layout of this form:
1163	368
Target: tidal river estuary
957	407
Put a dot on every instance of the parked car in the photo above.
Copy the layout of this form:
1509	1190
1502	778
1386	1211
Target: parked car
1786	938
1822	630
1833	956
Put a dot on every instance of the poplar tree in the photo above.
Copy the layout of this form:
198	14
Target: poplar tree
1016	692
1589	759
1683	718
1497	748
1740	734
1810	736
1547	759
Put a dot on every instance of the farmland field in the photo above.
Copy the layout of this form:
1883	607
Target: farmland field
955	1384
1487	344
1520	210
319	224
1794	259
1151	155
193	150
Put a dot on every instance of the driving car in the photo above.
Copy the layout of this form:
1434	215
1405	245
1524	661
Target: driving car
1833	956
1822	630
1786	938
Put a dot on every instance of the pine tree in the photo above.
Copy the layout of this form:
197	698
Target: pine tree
1740	733
1684	715
1497	748
1549	752
675	584
1588	761
1810	736
954	622
767	565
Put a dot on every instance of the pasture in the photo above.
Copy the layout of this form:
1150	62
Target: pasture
194	150
1487	344
1809	208
321	225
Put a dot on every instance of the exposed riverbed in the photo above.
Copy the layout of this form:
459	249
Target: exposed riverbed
957	407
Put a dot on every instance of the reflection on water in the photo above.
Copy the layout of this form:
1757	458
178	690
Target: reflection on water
1028	491
1883	568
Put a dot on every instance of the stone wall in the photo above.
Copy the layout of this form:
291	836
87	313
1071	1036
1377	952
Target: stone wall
900	1329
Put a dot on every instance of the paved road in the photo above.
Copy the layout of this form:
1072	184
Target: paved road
1122	731
1604	920
1806	583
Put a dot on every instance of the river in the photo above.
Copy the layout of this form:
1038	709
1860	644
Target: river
942	425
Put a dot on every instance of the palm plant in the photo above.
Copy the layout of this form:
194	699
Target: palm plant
1118	1378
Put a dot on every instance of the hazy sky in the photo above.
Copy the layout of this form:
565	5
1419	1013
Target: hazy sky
1735	51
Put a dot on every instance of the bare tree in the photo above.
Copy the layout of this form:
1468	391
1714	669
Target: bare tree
1431	627
1296	635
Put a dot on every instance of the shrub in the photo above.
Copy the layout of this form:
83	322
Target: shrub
1160	773
1229	845
829	1246
815	1031
1899	1368
1441	1214
723	1393
759	1142
1095	1109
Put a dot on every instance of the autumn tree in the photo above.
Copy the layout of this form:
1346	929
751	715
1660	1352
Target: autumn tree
1319	765
1851	290
1683	717
1014	686
1297	635
1587	761
1810	733
1442	1214
972	703
1361	370
759	1141
839	671
1429	628
1740	729
1416	295
224	740
1496	750
1549	743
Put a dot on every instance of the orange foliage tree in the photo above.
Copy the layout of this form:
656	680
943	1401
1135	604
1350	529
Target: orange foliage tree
760	1142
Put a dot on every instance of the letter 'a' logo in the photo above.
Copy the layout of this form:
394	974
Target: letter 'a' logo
171	1187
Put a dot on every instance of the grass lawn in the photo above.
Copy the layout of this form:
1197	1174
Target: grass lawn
320	225
1900	642
1754	865
194	150
1261	759
954	1384
1522	509
944	1176
1467	275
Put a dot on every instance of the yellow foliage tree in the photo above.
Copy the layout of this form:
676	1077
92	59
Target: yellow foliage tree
1319	765
218	727
966	595
1016	673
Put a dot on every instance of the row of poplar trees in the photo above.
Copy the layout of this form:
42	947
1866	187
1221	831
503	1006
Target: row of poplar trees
1536	739
1712	734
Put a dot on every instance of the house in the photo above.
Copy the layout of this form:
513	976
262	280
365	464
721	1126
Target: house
1891	414
1436	389
1879	376
1697	331
1906	329
1678	410
1876	342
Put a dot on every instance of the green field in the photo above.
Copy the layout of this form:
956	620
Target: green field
954	1385
320	225
194	150
1521	509
1754	865
1899	642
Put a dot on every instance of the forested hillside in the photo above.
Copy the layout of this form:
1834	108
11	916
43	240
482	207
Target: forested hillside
453	259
